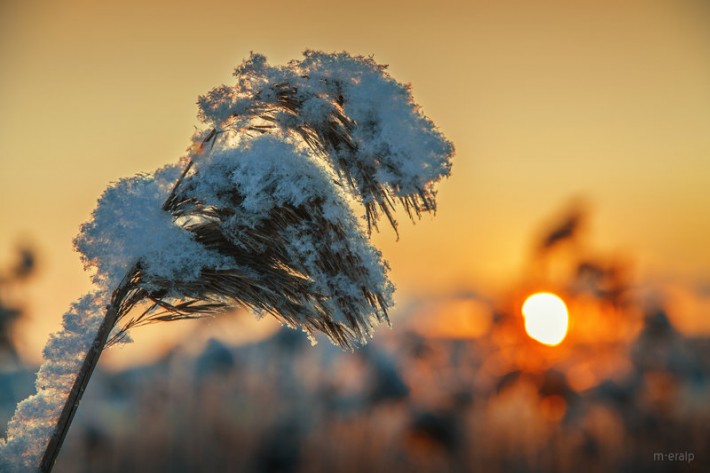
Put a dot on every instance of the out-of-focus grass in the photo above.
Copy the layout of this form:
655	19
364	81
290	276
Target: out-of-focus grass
456	386
404	403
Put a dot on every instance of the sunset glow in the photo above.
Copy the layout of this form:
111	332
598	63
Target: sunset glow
546	318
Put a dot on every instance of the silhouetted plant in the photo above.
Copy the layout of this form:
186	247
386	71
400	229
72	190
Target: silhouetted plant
9	315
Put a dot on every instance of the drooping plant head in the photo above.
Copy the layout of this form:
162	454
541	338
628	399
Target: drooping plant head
351	112
260	213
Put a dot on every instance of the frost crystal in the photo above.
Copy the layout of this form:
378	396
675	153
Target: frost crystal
349	110
275	204
129	225
33	423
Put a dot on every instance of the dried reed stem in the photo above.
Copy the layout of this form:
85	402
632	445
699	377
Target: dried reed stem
77	390
121	302
117	308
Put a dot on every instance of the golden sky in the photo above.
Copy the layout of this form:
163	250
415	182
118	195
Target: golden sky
545	101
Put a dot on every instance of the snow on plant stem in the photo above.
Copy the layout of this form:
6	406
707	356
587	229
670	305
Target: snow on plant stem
260	214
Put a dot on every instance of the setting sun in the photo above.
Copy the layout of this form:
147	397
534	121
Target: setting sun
546	318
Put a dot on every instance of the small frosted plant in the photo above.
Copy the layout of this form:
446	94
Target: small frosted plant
261	214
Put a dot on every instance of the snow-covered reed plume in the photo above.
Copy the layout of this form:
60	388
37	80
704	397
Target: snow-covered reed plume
259	214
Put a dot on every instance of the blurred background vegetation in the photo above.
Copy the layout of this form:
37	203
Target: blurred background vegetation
457	385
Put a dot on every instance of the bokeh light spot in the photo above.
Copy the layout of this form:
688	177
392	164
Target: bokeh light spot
546	318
